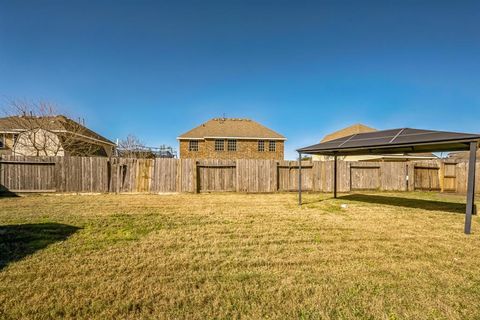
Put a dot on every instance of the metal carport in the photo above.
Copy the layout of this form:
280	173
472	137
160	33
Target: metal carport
398	141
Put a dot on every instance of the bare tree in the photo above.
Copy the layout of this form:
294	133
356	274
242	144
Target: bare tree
133	147
38	130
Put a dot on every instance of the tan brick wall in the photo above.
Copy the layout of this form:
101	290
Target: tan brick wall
246	149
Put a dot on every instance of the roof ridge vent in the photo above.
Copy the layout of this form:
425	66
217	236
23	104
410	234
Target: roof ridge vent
231	119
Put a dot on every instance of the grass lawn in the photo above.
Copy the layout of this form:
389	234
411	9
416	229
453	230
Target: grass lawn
385	256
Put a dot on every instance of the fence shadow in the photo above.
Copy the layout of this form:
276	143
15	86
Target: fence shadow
19	241
408	202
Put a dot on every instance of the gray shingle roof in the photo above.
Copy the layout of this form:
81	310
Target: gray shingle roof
231	128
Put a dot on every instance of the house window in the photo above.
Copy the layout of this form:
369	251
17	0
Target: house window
232	145
2	141
193	145
261	145
219	145
272	146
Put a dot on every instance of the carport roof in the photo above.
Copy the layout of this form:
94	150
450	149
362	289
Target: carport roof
393	141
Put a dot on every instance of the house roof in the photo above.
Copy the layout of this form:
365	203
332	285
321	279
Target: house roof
353	129
231	128
53	123
394	141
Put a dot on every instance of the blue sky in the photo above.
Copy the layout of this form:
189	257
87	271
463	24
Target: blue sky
302	68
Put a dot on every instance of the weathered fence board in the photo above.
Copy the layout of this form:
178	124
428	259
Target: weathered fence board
96	174
365	178
186	170
288	175
216	175
27	174
256	175
426	179
449	176
164	175
393	176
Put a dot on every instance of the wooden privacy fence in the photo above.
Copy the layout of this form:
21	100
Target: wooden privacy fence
95	174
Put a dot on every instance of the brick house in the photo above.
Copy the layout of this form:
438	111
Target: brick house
223	138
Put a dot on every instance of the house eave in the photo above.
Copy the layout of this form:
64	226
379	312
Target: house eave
237	138
183	138
110	143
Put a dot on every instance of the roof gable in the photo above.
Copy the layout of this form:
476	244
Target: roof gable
353	129
231	128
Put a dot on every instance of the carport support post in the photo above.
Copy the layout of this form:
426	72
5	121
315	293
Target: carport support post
471	187
299	179
334	176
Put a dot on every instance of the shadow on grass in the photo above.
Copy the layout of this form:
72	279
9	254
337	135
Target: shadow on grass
19	241
5	193
408	202
304	202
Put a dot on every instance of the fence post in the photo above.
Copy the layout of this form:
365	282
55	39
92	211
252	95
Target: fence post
178	175
349	170
237	183
59	174
195	176
335	176
299	179
441	175
277	173
471	187
411	177
119	178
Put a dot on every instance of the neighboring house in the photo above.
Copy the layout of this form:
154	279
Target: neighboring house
361	128
223	138
461	155
50	136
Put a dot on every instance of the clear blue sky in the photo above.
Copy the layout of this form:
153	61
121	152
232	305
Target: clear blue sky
303	68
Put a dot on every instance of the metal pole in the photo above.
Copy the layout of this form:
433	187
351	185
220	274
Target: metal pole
470	187
334	176
299	179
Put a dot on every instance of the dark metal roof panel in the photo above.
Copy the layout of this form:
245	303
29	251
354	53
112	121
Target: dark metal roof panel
394	140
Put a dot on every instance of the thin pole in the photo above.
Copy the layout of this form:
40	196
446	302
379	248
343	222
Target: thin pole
334	176
470	187
299	179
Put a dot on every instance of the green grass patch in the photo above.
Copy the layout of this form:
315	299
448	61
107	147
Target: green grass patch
222	256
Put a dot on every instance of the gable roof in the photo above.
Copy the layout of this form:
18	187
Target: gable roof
394	141
231	128
353	129
56	124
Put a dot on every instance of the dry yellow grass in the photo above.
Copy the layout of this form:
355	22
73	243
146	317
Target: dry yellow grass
238	256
